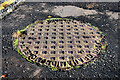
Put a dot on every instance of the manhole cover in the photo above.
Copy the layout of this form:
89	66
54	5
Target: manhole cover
59	43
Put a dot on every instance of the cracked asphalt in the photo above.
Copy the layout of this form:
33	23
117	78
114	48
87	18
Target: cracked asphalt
102	15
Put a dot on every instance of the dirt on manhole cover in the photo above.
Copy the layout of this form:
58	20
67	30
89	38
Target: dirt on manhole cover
59	43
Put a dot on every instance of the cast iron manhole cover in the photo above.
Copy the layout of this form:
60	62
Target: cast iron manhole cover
59	43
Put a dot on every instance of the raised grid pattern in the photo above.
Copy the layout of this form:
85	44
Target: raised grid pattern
60	43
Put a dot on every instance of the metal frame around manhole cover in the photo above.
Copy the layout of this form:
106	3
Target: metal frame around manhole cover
59	43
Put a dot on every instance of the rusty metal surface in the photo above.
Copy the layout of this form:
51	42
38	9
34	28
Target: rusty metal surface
60	43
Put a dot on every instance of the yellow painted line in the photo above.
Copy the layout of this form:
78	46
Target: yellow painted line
8	2
1	7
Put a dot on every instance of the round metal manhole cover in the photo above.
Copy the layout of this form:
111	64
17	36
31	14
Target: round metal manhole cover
59	43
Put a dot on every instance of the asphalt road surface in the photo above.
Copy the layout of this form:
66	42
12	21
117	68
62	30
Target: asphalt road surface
102	15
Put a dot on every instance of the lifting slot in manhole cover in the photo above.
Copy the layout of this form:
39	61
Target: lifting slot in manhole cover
59	43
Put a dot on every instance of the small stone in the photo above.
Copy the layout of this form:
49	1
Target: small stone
28	68
45	11
43	4
5	71
16	64
110	55
37	10
5	49
23	70
116	75
20	65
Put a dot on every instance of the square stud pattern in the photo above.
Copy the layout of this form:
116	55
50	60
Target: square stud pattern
60	43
